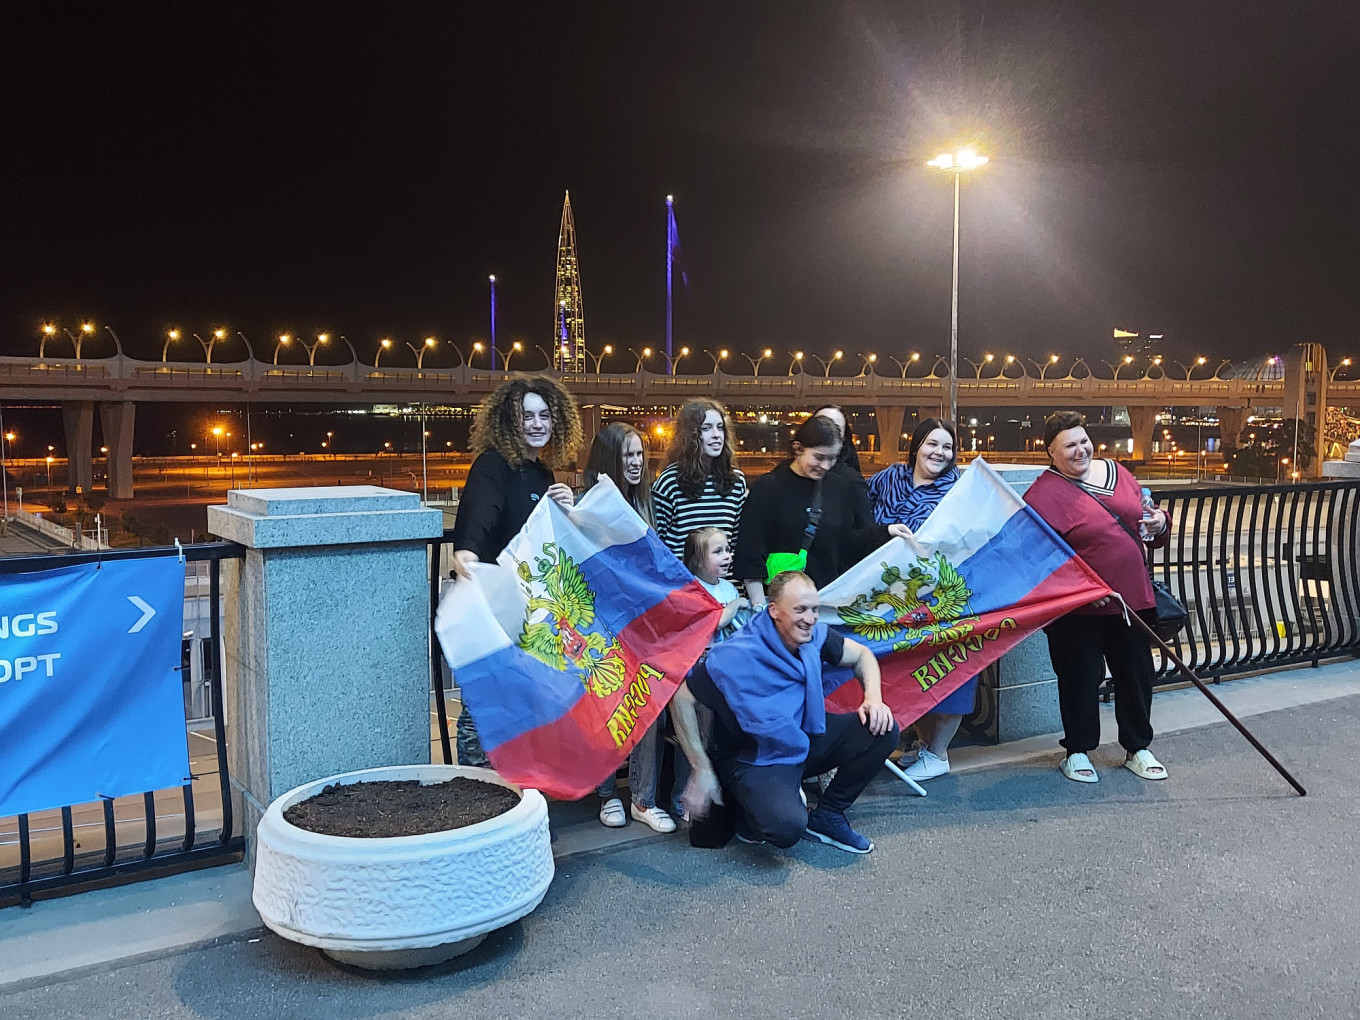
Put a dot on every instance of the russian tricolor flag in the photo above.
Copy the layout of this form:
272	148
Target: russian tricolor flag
569	646
982	573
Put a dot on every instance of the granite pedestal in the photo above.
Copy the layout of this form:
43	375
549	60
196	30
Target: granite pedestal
326	658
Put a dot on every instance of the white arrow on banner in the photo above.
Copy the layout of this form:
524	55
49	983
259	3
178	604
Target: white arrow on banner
147	614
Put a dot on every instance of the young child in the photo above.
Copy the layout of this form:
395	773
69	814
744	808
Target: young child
708	555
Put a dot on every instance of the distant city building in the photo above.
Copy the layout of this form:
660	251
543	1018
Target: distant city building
569	323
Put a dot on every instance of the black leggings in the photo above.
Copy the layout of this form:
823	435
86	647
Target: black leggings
1080	646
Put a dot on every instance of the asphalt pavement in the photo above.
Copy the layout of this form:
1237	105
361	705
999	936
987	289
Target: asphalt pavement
1008	892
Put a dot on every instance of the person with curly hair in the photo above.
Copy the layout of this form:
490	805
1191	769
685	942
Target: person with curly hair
527	427
700	487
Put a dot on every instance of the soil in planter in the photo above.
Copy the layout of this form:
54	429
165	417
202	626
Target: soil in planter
400	808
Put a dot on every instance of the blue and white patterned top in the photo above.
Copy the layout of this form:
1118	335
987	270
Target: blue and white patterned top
898	500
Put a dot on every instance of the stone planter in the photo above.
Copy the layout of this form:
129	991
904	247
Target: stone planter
403	901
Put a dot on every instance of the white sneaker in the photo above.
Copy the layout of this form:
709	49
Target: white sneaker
927	766
611	814
654	818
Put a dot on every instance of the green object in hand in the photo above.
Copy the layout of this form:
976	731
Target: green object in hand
777	563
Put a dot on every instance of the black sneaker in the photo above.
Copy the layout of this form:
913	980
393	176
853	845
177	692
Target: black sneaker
832	827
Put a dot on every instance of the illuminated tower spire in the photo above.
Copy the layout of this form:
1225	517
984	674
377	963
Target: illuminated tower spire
569	324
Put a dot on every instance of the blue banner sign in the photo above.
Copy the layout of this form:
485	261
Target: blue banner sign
91	700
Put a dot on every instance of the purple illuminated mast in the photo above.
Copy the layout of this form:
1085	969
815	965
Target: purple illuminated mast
493	322
671	239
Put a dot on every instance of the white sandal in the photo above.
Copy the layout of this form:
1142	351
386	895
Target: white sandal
1144	765
1075	764
612	815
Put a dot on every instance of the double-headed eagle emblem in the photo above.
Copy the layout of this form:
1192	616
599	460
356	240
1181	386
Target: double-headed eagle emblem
921	606
558	620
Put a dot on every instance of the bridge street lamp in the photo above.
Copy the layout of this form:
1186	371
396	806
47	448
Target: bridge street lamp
870	360
218	335
86	330
547	356
605	351
755	362
117	344
477	348
671	362
642	355
1199	362
321	340
978	366
419	352
957	164
828	362
171	335
1115	370
906	365
385	344
283	341
1225	361
48	331
1010	360
796	360
1043	369
514	348
722	355
1343	363
940	359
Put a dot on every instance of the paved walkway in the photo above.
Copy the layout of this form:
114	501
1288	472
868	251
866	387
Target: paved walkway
1007	892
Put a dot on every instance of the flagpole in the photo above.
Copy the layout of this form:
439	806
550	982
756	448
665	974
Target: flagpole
1189	674
670	260
493	322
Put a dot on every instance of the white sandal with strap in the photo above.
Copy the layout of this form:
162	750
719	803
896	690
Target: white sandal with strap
1075	764
1144	765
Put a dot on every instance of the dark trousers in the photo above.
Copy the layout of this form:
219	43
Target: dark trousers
1080	647
768	794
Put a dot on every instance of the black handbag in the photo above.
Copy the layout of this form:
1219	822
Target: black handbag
1171	616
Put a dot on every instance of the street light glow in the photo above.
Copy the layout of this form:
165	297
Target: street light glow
430	341
173	334
87	327
964	159
220	334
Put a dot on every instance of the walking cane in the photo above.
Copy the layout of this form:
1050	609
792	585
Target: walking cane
893	768
1189	674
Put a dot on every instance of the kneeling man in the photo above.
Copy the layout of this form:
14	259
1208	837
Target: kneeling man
771	728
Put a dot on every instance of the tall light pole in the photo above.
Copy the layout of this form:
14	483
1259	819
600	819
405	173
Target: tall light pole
515	348
796	361
870	360
721	356
86	330
1343	363
283	341
957	164
641	356
385	344
171	335
4	470
48	332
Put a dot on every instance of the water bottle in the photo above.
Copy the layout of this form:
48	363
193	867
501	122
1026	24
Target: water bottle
1147	512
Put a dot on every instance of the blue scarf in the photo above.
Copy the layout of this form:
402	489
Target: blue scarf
898	500
775	694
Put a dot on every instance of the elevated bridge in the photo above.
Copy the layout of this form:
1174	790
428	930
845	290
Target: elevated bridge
117	384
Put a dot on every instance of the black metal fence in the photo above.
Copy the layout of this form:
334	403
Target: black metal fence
1270	574
111	842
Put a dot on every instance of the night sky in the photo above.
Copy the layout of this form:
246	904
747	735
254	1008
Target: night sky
1169	167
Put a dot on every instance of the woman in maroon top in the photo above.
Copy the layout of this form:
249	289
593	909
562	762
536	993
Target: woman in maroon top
1080	497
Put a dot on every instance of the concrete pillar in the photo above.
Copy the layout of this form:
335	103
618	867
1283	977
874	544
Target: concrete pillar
1231	422
117	420
326	644
78	419
889	419
1142	420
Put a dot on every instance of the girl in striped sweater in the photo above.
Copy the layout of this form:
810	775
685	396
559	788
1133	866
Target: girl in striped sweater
701	487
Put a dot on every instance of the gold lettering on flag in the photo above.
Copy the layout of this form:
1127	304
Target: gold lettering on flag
639	693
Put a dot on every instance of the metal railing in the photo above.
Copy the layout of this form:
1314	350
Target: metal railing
1270	574
127	839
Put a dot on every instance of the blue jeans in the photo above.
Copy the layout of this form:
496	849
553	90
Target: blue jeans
644	770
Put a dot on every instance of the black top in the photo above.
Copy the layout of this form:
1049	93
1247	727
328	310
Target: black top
497	500
775	517
729	739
